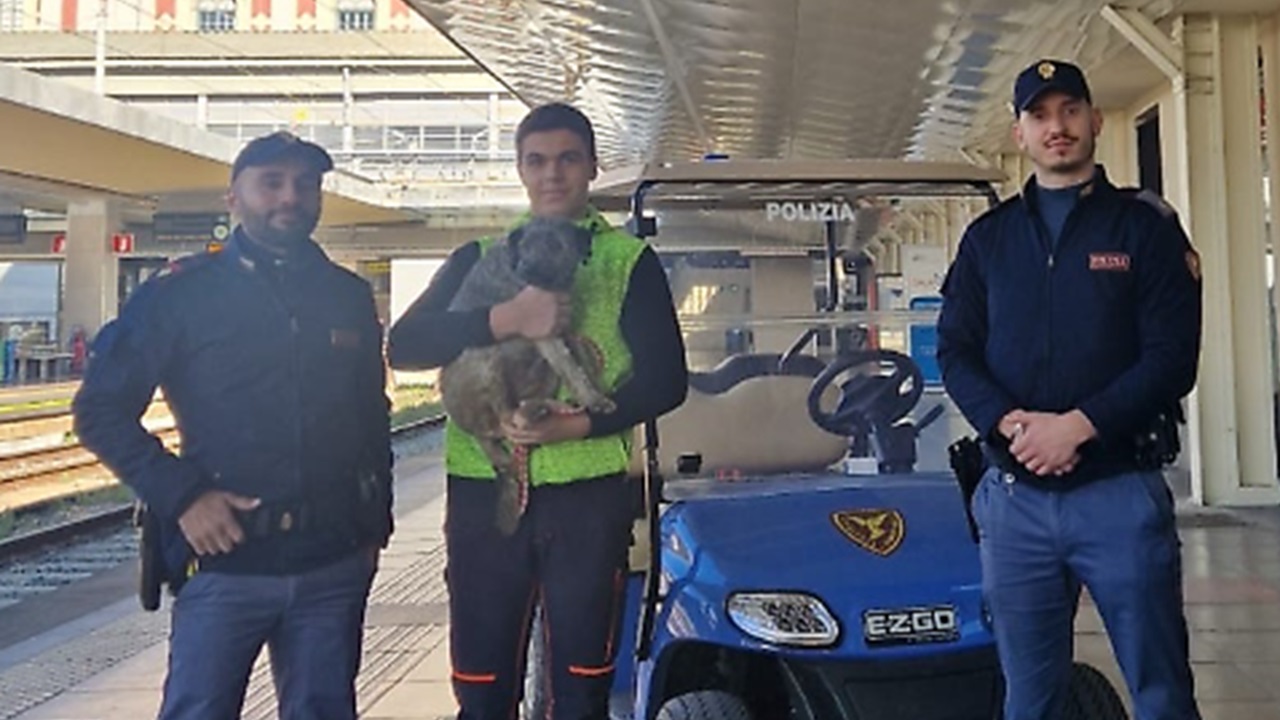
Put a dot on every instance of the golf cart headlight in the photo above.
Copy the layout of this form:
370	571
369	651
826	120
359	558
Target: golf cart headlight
784	618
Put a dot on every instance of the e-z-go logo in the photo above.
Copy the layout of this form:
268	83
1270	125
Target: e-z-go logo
789	211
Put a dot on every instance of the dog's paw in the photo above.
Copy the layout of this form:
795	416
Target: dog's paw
534	411
602	405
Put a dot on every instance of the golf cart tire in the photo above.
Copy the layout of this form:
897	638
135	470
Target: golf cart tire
1092	697
705	705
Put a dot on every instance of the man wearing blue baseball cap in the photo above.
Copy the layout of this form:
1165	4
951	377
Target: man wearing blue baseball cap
1070	331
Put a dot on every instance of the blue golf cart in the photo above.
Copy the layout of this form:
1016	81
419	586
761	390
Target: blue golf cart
806	553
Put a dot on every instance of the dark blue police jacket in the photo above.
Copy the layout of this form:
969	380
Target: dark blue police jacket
1107	322
274	374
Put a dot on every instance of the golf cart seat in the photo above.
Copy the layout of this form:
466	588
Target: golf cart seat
755	425
736	368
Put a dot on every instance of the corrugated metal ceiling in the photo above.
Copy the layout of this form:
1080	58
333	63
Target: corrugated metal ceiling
674	79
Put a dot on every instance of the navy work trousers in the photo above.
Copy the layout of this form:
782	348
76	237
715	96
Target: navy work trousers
311	622
568	555
1116	536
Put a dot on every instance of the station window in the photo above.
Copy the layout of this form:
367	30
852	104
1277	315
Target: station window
216	16
355	19
10	15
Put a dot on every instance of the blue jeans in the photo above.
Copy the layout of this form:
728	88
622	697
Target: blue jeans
1115	536
312	623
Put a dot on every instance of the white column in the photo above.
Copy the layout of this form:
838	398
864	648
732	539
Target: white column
1016	169
1219	163
495	127
1271	81
91	271
1117	148
958	220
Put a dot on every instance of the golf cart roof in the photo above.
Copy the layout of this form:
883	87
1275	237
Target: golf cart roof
747	182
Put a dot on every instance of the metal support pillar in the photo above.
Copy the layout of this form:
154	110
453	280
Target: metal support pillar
92	271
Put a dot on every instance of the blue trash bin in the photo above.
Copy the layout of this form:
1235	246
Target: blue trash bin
924	342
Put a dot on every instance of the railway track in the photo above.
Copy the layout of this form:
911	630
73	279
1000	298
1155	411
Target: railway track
111	518
40	463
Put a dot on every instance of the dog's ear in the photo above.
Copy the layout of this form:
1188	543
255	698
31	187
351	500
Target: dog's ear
582	237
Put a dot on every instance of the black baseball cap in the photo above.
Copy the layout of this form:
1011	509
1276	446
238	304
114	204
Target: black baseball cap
1045	75
278	146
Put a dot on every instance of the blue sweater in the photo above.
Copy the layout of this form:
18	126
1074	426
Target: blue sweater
1106	321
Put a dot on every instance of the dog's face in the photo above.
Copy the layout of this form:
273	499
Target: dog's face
547	252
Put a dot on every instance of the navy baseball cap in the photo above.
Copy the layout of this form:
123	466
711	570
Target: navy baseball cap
1046	75
278	146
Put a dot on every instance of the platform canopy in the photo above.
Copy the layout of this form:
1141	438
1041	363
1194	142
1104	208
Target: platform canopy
676	79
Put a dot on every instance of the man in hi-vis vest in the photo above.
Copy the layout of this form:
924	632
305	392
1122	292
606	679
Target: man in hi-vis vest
568	554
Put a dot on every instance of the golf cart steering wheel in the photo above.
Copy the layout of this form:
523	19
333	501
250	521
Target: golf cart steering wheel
877	388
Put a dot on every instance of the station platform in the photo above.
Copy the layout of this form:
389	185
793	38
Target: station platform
109	664
37	393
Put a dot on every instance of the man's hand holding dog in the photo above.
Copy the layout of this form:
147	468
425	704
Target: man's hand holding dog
533	313
566	423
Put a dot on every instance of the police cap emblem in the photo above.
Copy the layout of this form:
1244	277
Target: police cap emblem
1046	70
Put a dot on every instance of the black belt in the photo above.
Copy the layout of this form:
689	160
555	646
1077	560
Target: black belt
273	520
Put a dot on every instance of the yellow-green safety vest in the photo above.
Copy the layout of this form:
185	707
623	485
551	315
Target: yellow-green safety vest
599	288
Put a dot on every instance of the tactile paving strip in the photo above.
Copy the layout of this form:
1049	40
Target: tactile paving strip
421	582
406	619
30	683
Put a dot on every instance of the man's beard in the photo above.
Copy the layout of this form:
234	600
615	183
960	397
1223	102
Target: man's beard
273	237
1066	166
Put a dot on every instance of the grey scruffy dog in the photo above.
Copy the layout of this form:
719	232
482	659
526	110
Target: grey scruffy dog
486	384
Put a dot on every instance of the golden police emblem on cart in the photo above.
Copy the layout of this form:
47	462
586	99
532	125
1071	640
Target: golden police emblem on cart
879	531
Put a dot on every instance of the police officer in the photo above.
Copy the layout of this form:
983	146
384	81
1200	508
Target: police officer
568	555
269	356
1070	325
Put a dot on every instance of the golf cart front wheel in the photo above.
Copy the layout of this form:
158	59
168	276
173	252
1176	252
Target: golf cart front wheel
705	705
1092	697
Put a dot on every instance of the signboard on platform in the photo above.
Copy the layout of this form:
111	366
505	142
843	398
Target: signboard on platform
122	243
13	229
191	227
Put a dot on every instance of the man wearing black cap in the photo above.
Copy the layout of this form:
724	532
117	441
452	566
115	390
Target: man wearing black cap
1070	331
270	359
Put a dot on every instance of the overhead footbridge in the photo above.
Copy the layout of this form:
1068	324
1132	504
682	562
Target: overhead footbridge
62	142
